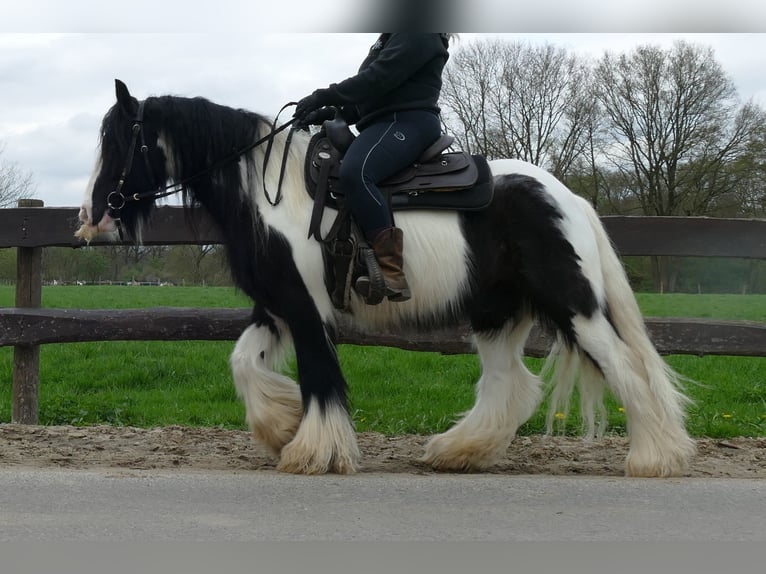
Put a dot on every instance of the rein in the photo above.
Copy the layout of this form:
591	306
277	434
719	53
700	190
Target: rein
116	200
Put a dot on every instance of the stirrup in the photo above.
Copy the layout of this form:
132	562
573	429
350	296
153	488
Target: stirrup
371	287
398	295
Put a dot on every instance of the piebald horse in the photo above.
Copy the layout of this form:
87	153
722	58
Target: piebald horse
538	252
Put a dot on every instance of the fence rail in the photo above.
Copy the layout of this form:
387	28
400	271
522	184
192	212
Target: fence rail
32	227
633	235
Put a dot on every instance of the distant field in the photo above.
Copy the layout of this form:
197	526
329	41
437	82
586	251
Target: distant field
734	307
392	391
129	297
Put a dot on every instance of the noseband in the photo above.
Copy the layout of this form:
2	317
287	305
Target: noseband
116	200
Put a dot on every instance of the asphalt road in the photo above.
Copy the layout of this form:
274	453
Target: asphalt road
117	505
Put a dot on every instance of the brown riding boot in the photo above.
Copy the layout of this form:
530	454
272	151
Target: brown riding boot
388	245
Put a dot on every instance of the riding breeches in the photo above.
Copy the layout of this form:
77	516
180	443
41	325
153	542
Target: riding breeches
379	151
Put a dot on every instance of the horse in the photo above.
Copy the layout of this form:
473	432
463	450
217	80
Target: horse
537	253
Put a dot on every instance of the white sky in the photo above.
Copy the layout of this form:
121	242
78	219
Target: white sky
57	67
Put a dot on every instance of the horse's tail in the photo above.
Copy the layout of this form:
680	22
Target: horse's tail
648	387
629	323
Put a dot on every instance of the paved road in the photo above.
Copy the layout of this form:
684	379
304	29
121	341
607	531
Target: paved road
65	505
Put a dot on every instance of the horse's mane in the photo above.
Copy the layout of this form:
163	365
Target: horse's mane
196	133
199	133
220	127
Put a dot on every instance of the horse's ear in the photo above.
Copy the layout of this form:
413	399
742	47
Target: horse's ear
128	103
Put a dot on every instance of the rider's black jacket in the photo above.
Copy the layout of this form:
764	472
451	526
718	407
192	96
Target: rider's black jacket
401	72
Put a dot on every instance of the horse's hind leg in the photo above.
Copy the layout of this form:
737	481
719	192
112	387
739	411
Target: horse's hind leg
646	386
507	395
272	400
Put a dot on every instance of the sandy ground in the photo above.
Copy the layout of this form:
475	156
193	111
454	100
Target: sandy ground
218	449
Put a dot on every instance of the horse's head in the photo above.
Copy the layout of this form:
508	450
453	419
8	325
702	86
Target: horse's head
129	168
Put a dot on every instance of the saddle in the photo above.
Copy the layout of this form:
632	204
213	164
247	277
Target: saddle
438	180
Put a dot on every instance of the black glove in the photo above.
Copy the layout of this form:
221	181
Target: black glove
317	117
319	98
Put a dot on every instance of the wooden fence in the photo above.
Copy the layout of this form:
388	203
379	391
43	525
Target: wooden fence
32	227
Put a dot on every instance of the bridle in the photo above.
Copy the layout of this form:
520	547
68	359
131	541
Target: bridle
116	200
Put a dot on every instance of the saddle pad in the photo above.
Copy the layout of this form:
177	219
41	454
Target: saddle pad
474	198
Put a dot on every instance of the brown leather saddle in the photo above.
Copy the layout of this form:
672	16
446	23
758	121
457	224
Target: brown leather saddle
438	180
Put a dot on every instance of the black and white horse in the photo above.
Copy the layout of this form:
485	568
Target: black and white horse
538	252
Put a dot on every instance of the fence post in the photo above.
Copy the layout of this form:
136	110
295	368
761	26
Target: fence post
26	358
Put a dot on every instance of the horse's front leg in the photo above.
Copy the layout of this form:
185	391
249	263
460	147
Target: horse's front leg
272	401
325	440
308	426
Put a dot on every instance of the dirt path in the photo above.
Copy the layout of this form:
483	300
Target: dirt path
217	449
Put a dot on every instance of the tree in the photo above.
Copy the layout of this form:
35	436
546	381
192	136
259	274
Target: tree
675	125
14	182
749	172
193	263
513	100
7	265
469	81
677	133
65	265
134	262
653	131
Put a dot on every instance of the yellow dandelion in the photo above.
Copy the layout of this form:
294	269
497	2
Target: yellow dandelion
620	409
560	416
726	415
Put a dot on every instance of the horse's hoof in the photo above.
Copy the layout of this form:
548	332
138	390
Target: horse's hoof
446	454
667	465
294	462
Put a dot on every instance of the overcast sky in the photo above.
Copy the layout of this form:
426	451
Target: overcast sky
55	87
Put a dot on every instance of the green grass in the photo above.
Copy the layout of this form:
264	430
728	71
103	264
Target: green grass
733	307
392	391
124	297
137	383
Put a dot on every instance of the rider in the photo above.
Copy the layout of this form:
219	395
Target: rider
393	102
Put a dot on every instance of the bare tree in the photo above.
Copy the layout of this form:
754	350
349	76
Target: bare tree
186	261
520	101
751	191
675	126
470	79
14	182
677	132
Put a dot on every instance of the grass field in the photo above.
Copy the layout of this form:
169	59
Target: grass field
392	391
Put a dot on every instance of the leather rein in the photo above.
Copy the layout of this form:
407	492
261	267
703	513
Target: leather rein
116	200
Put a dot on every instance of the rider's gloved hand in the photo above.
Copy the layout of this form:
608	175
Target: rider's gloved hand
318	99
316	118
